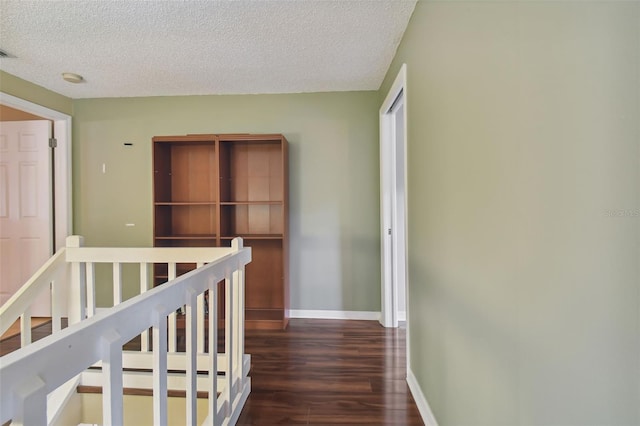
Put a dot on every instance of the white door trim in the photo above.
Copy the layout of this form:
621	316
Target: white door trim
62	163
389	314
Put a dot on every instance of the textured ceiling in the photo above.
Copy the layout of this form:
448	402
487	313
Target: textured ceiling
154	48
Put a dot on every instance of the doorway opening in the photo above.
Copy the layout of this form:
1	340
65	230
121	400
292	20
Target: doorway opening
393	200
55	177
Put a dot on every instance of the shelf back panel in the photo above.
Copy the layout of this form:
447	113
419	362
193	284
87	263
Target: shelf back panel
193	220
252	172
251	219
193	172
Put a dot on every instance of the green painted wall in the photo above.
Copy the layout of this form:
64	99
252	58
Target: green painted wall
31	92
524	210
334	180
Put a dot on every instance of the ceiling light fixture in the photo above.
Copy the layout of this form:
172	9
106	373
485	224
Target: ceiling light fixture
72	78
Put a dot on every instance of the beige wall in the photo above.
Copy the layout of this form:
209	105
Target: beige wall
334	208
138	410
23	89
524	210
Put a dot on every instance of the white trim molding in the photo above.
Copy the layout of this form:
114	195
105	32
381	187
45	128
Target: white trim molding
393	205
32	108
421	401
322	314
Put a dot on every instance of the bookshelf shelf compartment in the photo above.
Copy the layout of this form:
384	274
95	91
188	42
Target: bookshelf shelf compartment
251	171
185	220
211	188
259	219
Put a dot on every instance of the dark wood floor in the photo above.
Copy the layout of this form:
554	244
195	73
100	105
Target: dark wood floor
329	372
13	343
322	372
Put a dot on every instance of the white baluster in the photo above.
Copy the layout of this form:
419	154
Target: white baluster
91	288
238	338
173	323
213	350
56	304
200	314
192	368
160	366
112	413
229	344
25	328
144	286
77	292
117	283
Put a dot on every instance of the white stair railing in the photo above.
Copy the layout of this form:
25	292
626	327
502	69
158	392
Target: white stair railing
50	278
29	374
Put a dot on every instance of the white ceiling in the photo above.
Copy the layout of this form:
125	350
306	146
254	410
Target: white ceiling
159	48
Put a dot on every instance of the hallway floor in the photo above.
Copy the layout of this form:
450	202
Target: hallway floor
329	372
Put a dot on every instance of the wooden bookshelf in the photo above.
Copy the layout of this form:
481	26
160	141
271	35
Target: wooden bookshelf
211	188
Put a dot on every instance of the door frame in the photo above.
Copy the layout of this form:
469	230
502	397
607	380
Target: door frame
62	202
389	204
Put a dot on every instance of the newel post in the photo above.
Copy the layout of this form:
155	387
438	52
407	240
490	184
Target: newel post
77	289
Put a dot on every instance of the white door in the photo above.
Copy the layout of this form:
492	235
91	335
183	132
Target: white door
25	206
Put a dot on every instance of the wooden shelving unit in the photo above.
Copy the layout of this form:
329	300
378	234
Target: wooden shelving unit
211	188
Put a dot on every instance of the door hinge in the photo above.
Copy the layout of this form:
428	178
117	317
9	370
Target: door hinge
53	143
389	231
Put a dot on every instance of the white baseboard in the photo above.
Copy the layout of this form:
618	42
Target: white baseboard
349	315
423	406
402	315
